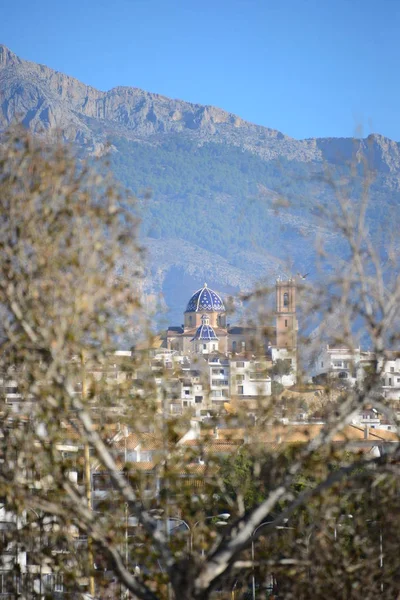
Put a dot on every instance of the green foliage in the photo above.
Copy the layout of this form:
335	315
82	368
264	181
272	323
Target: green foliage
276	388
238	474
281	367
228	200
212	195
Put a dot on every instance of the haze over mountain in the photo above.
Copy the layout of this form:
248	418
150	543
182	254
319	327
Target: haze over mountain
215	179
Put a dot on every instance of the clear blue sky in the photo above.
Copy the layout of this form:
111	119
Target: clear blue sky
305	67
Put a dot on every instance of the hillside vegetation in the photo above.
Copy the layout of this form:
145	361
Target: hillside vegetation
221	199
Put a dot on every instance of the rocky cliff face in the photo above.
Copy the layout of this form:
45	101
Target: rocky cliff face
43	98
269	164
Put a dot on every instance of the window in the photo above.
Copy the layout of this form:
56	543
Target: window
240	389
233	346
190	319
214	347
101	482
286	299
219	382
187	392
216	393
239	378
12	390
390	381
343	375
7	581
392	369
204	346
146	456
58	583
285	322
322	363
240	365
198	399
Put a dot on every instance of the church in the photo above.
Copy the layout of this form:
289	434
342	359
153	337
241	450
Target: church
205	329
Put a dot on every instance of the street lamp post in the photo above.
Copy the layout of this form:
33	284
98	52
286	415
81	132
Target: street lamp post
380	549
128	518
40	550
337	525
223	518
182	522
253	582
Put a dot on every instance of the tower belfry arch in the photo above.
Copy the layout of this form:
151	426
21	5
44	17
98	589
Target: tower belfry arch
286	317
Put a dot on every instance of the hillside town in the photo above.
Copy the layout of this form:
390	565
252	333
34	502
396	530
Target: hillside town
210	372
213	368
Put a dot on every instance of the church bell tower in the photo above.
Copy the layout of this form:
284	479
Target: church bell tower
286	319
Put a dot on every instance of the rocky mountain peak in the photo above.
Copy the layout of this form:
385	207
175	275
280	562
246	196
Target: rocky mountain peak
215	178
7	57
32	92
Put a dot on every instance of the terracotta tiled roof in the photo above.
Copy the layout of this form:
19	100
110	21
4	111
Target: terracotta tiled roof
197	469
129	442
304	433
100	468
193	443
108	430
214	446
224	434
383	434
392	354
146	441
220	331
129	466
141	466
194	469
288	434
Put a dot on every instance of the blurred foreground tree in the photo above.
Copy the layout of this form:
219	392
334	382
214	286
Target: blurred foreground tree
280	368
69	291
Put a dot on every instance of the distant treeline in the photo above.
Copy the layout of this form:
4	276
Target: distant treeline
222	197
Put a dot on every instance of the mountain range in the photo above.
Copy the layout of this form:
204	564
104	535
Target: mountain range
222	200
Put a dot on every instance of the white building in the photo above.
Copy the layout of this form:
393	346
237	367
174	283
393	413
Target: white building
390	373
249	377
353	365
219	378
341	363
193	392
290	356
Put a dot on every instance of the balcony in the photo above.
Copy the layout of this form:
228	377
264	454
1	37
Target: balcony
259	376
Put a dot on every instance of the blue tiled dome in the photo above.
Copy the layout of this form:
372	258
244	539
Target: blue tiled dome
205	331
205	299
